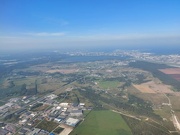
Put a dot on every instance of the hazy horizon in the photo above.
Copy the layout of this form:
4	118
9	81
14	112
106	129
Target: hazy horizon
30	25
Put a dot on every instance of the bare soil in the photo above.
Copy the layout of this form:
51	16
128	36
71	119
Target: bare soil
174	72
171	70
152	87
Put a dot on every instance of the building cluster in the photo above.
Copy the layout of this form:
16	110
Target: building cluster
9	107
7	129
69	114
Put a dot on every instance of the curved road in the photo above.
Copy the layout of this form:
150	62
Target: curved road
174	117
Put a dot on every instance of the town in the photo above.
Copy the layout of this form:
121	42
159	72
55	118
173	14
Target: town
42	115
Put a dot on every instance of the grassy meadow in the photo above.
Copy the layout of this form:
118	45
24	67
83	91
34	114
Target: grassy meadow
102	123
108	84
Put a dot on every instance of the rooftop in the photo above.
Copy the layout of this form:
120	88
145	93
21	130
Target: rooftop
72	122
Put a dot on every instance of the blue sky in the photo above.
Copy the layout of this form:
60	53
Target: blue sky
27	24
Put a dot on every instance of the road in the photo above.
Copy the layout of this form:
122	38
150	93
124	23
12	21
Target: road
175	121
168	101
131	116
174	117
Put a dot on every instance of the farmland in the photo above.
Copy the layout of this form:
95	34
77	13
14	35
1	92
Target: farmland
144	89
152	87
171	70
174	72
102	123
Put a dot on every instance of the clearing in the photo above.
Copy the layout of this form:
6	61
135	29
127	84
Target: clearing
152	87
144	88
108	84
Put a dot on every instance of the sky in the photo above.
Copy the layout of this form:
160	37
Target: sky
44	24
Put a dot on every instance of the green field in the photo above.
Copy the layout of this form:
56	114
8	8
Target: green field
108	84
102	123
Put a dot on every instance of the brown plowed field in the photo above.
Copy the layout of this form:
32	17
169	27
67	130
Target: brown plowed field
170	71
174	72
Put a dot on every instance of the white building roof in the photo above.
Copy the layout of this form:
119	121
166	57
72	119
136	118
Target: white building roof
72	122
